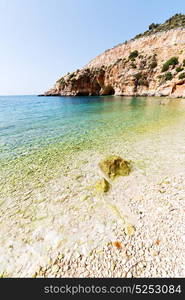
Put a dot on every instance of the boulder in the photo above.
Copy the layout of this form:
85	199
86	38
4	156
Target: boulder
115	166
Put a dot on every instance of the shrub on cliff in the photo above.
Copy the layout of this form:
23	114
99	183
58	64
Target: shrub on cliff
153	26
184	62
182	76
61	80
165	67
143	82
153	65
138	36
133	54
168	76
171	62
133	65
71	75
141	79
176	21
179	69
138	76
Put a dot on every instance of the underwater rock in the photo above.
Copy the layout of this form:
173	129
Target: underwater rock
115	166
102	185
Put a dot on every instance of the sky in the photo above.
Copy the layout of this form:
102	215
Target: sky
41	40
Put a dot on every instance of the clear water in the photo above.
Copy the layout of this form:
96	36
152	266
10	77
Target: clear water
30	122
40	131
47	142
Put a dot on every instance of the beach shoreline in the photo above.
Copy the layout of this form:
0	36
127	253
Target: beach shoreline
65	228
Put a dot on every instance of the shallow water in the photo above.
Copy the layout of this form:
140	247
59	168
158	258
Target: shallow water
37	134
49	151
30	123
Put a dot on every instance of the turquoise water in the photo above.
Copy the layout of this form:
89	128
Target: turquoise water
37	132
28	123
50	148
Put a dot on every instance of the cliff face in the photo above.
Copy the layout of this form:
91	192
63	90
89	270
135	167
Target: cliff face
152	65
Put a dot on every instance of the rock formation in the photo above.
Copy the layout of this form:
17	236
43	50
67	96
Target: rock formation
151	64
114	166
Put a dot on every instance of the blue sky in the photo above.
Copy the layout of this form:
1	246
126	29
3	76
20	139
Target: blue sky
41	40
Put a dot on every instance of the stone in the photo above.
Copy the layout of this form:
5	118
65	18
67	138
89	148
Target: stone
102	185
117	244
84	197
54	269
114	166
129	275
129	229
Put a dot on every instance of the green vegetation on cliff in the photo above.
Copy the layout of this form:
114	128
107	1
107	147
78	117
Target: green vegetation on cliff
179	69
182	76
133	55
171	62
153	64
168	76
176	21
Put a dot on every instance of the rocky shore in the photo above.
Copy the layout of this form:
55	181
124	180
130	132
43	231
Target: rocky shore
152	64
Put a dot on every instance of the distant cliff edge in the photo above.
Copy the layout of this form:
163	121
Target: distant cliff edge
151	64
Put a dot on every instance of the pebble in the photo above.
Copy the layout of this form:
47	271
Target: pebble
54	269
129	275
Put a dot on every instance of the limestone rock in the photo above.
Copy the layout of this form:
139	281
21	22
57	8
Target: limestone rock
115	166
102	185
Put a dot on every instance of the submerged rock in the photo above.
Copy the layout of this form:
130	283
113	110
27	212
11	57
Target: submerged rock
102	185
115	166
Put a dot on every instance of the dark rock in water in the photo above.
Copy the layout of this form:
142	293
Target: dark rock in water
115	166
102	185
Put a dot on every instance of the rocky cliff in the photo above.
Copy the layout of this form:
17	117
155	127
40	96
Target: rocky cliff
152	64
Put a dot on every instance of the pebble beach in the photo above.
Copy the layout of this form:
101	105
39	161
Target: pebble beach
153	205
67	228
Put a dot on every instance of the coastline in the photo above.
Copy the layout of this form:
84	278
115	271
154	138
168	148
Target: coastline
121	95
164	95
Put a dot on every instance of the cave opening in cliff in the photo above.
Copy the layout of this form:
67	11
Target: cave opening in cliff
95	90
108	90
82	94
